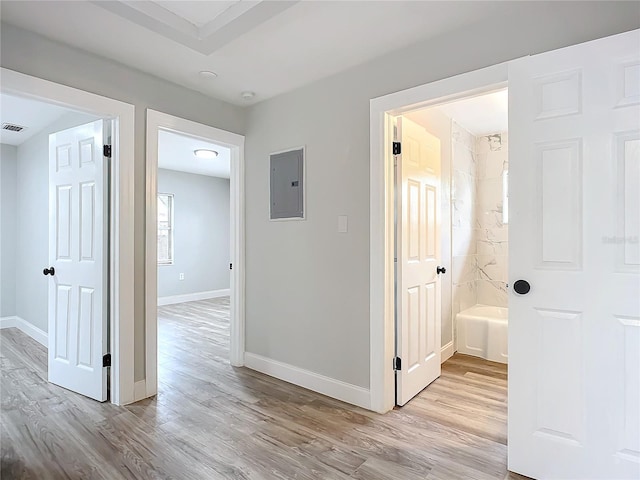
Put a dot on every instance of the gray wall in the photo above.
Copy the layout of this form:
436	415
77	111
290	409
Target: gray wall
8	177
35	55
308	286
201	233
32	225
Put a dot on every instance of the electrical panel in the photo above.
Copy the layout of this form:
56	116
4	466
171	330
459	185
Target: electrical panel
287	188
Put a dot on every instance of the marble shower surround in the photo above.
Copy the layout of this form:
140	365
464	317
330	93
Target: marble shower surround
464	225
479	235
492	235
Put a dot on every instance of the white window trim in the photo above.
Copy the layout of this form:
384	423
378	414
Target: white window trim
171	230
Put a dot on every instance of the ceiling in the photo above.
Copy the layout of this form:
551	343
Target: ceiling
175	152
32	114
267	47
480	115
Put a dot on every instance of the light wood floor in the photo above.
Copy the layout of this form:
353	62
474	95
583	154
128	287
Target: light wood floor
212	421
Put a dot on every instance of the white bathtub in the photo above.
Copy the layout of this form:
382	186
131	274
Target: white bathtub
482	332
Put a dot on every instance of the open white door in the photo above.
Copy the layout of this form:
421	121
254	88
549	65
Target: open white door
574	338
78	260
418	251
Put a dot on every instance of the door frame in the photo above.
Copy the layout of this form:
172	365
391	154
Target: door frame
157	121
121	221
381	208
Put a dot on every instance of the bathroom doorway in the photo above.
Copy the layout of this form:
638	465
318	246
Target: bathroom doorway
451	225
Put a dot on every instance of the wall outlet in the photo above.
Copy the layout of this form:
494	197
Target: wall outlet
181	276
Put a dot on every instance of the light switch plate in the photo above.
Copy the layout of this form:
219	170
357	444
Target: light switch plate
343	224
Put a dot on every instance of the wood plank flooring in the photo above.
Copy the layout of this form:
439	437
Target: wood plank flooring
213	421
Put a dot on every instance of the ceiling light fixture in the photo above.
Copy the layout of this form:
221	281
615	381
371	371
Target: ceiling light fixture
248	95
205	153
208	74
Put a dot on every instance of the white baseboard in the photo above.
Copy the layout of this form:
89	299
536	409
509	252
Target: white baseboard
313	381
139	390
21	324
447	352
192	297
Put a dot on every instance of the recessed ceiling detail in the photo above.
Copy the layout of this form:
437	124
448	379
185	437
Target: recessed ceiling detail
202	26
269	47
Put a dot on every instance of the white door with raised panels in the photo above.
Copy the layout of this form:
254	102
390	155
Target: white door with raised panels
574	337
78	257
418	252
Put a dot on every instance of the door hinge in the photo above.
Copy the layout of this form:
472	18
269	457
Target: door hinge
106	360
106	151
397	363
397	148
231	266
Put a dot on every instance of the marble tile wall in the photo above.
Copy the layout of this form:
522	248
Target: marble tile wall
479	233
464	226
492	233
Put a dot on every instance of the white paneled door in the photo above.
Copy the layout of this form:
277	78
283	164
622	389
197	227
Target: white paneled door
574	338
418	257
78	260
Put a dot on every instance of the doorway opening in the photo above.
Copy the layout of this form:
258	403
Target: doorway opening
451	240
67	281
448	216
384	110
195	247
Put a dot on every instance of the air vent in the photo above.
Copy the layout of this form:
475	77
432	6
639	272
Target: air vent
12	127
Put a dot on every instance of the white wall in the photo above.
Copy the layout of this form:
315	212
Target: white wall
308	286
35	55
201	233
32	225
8	178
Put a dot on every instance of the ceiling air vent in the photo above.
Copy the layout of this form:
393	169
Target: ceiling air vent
12	127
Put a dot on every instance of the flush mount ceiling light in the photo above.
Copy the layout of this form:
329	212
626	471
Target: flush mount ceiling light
208	74
205	153
248	95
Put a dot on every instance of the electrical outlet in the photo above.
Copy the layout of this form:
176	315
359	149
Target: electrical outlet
181	276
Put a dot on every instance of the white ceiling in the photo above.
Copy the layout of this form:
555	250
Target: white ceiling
480	115
175	152
268	47
33	114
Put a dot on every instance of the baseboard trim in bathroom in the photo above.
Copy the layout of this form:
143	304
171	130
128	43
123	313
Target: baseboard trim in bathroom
447	352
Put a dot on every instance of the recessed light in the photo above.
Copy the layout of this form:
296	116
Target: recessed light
208	74
248	95
205	153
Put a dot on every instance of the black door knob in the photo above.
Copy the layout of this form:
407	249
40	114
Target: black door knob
522	287
49	271
440	270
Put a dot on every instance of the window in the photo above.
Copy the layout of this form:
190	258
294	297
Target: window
165	229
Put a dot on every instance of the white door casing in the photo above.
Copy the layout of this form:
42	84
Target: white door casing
574	339
78	200
418	250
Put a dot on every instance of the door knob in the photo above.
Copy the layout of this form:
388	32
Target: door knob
522	287
49	271
440	270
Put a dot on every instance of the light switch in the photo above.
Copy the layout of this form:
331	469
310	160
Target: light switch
343	223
